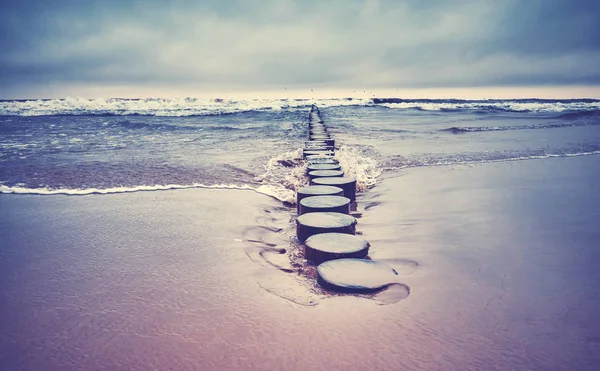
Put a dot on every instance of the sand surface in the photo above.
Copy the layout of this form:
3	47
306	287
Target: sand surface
500	259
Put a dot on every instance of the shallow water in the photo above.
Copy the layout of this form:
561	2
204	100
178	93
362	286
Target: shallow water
76	146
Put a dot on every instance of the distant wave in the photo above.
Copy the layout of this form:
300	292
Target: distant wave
168	107
138	125
393	131
170	127
223	128
458	101
176	107
491	105
578	115
471	129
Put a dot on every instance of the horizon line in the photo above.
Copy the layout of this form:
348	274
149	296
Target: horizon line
575	92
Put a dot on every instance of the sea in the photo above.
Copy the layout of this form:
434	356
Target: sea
85	146
159	234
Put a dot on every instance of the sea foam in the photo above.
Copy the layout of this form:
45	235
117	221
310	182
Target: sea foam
283	195
176	107
359	165
492	105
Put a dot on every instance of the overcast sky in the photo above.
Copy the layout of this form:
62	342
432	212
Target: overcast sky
73	47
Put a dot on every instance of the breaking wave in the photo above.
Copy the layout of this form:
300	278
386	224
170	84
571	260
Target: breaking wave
471	129
284	174
491	105
173	107
177	107
358	163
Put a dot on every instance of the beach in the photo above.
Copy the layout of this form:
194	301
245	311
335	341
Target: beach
290	185
500	260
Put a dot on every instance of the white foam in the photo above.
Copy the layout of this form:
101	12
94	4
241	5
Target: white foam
282	194
160	106
89	191
557	155
284	174
356	164
514	106
195	106
278	192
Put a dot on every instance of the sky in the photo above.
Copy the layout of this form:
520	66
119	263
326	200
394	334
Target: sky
56	48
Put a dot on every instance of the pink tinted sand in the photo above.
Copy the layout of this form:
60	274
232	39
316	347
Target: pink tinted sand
500	260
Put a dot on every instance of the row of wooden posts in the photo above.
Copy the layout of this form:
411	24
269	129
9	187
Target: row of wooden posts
325	225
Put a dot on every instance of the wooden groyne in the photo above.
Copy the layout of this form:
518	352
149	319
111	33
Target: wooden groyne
325	225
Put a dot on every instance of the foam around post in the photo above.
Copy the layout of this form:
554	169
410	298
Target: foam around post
355	275
315	223
329	246
348	184
321	204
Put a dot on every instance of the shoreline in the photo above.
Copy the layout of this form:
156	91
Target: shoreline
491	254
385	174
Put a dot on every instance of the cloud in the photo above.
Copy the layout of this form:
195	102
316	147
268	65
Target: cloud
341	44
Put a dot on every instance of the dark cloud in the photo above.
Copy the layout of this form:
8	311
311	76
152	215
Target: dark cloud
550	27
338	43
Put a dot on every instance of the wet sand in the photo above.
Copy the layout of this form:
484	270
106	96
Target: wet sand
501	261
508	256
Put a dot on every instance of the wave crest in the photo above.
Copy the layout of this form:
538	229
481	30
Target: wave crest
176	107
491	105
555	125
169	107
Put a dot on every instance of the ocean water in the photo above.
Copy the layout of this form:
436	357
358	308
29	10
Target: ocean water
82	146
487	210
